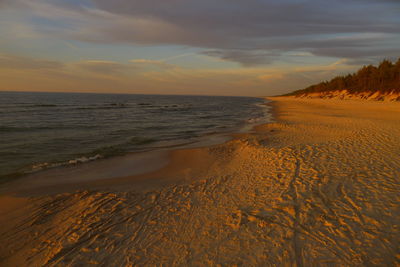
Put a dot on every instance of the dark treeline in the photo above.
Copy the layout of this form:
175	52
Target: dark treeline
385	78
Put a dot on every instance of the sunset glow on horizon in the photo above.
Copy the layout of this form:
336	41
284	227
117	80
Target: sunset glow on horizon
250	48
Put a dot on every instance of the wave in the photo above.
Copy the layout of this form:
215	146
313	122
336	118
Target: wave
106	106
49	165
8	129
88	131
44	105
100	153
165	108
141	141
171	109
255	120
145	104
22	129
29	105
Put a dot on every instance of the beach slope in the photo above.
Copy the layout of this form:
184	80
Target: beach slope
318	187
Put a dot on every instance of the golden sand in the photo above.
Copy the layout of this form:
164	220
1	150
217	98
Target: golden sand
319	187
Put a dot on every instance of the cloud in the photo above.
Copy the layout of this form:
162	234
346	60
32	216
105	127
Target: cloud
104	67
245	57
26	63
253	32
100	67
23	73
149	62
230	29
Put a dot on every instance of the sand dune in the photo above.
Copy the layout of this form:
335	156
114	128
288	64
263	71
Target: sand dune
319	187
346	95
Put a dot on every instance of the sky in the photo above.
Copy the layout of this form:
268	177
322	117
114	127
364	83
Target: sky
207	47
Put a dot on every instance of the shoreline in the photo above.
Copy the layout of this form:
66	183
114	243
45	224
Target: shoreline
317	186
63	138
135	167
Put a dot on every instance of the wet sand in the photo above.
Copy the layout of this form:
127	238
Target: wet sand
319	187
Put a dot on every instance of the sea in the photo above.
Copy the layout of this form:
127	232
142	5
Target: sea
46	130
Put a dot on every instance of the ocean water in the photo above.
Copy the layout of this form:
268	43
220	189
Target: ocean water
44	130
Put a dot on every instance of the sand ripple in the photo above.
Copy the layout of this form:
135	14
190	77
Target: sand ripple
320	187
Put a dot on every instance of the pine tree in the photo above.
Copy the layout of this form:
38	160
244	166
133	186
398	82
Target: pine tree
385	78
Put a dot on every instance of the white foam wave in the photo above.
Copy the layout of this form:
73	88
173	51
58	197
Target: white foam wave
47	165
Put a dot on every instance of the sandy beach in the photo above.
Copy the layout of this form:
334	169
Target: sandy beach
318	187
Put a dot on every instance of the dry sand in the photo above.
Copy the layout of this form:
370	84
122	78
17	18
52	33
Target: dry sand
319	187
